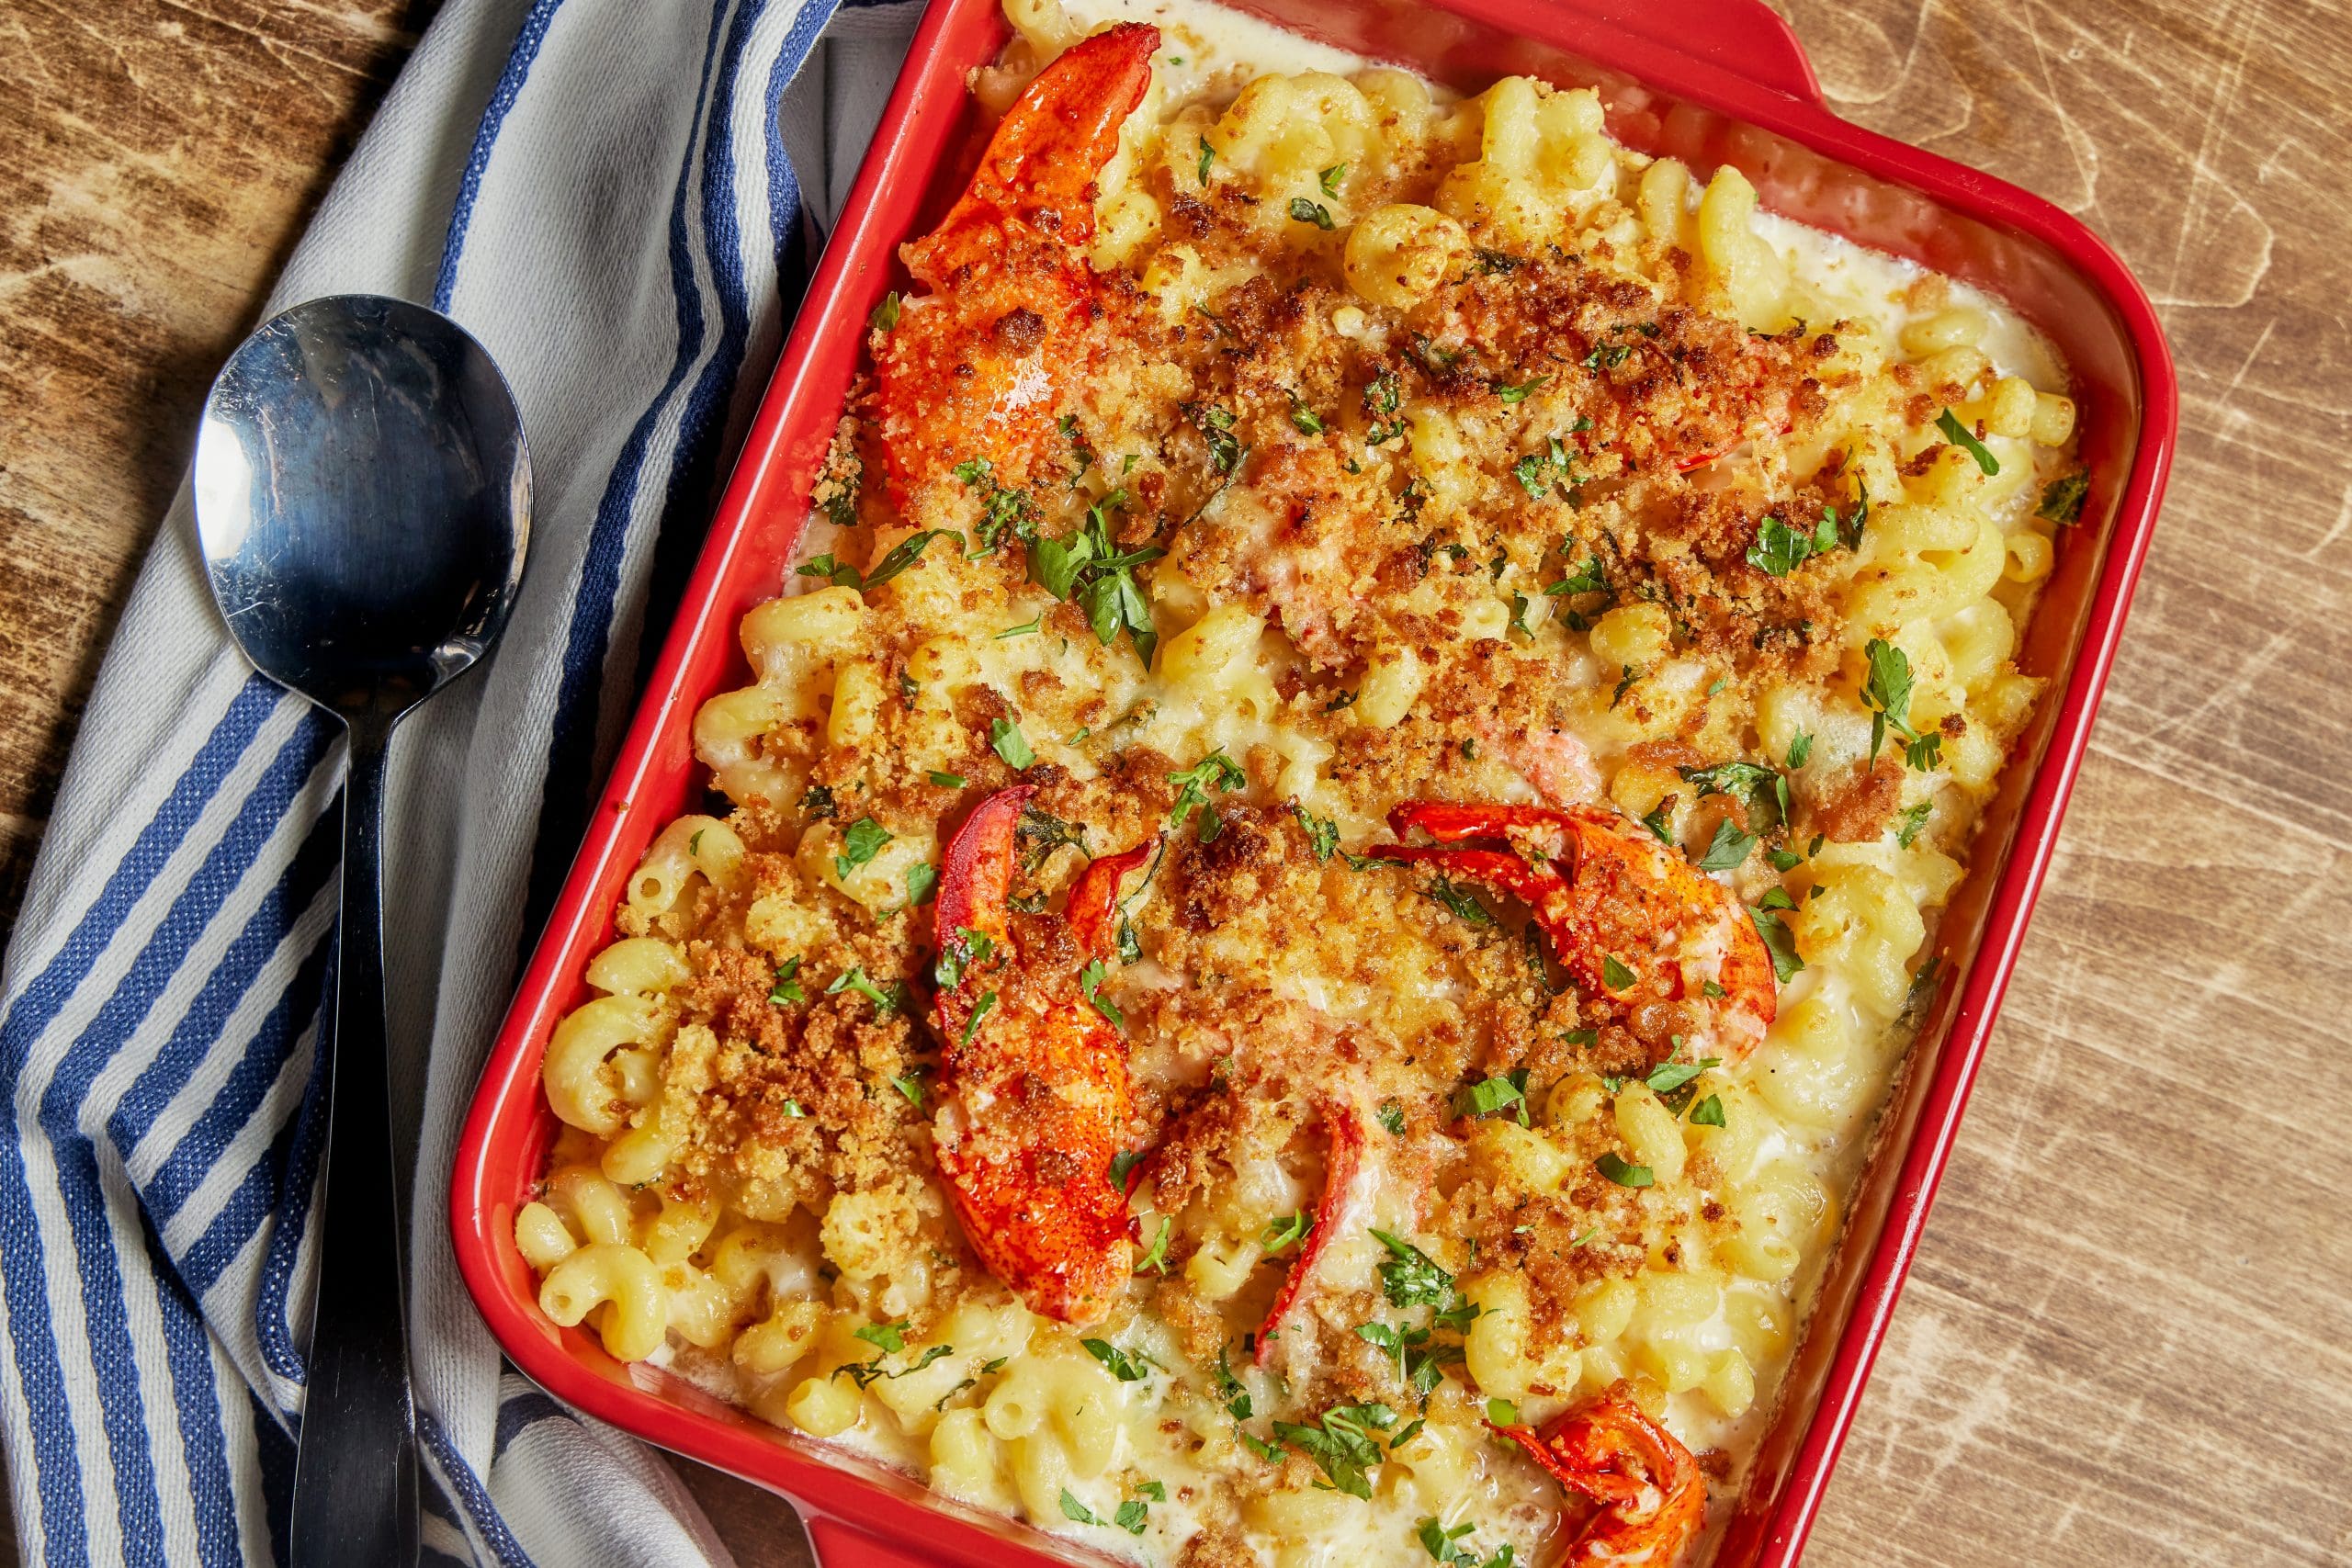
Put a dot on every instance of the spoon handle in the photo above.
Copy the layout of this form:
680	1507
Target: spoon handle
354	1477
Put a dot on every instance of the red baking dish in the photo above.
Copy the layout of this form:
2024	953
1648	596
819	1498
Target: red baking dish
1708	81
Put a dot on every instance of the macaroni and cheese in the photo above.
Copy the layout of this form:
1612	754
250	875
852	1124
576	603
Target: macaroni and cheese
1336	834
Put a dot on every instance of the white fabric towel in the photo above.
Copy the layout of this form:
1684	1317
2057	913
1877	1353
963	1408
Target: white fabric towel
621	199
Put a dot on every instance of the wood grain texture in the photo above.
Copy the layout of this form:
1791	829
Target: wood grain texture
2128	1338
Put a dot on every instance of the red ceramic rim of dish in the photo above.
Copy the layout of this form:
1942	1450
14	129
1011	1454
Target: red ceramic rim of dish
1711	81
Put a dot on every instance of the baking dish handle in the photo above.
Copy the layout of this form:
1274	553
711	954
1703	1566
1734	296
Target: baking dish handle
1744	37
838	1545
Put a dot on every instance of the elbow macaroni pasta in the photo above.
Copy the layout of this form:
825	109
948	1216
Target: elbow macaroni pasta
1421	418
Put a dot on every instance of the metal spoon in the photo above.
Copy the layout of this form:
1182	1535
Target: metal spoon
363	496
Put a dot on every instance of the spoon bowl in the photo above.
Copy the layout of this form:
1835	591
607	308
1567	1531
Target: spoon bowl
362	498
363	503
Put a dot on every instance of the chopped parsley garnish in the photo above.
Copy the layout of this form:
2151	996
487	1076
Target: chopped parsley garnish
1624	684
1667	1077
1421	1366
1960	435
1330	179
1487	1096
1502	1413
1322	835
861	842
1131	1516
1659	822
787	989
1412	1278
948	780
853	979
1538	471
1285	1232
794	1111
1089	984
1520	393
1208	156
1913	819
1777	941
964	948
1006	740
1002	510
1192	785
910	1086
1155	1257
979	1012
1614	975
902	555
1707	1113
886	315
1607	355
1027	628
1886	691
2062	498
1440	1544
1391	1115
1344	700
923	880
1587	579
1729	848
1304	420
1091	568
1780	549
1075	1512
1800	748
1381	397
1762	788
1341	1444
1519	616
1464	908
1124	1365
1313	212
1614	1166
890	1337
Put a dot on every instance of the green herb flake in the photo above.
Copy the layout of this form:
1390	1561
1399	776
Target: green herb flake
1285	1232
1304	420
1027	628
2062	498
1315	212
853	979
948	780
1089	984
1120	1364
1131	1517
1707	1113
1502	1413
1391	1115
1614	975
1457	899
1208	156
1489	1095
1519	393
1155	1257
861	841
1913	819
1193	785
1667	1077
1006	740
1615	1167
786	988
890	1337
886	315
1778	940
1076	1512
1729	848
979	1012
1322	834
1800	750
1661	820
1960	435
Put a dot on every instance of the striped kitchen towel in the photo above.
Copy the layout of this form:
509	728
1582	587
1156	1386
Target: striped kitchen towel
621	199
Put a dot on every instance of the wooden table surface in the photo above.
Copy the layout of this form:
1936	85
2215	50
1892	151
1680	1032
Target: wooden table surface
2126	1337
